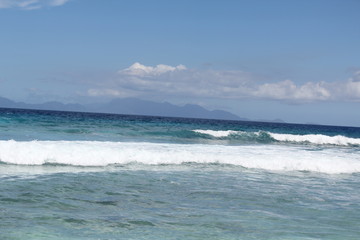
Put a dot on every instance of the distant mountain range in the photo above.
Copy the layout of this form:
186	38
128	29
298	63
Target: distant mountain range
131	106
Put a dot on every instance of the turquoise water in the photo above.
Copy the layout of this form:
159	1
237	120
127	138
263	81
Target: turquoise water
98	176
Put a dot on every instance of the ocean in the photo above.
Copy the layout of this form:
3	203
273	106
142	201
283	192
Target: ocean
68	175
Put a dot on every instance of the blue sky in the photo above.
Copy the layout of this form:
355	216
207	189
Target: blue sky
294	60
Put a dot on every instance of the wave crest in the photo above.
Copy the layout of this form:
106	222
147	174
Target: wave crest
92	153
260	137
265	137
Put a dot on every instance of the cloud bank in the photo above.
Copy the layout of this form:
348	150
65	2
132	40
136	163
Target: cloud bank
164	80
31	4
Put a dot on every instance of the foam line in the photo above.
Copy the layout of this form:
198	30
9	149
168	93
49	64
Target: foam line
309	138
92	153
317	139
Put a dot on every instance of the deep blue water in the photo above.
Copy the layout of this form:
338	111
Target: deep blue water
66	175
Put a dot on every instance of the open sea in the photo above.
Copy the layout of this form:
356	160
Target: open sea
67	175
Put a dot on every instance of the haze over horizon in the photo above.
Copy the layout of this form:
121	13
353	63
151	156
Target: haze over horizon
293	60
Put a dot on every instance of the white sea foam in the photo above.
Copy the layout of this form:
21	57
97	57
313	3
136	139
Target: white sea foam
268	157
217	133
309	138
316	139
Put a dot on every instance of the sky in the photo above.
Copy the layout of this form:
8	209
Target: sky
298	61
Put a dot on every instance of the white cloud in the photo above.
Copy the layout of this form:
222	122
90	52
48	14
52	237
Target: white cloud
352	86
288	90
179	81
30	4
140	70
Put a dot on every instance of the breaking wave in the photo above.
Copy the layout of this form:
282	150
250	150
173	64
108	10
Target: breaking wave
263	136
94	153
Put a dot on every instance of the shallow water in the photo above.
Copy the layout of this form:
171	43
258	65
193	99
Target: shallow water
176	202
